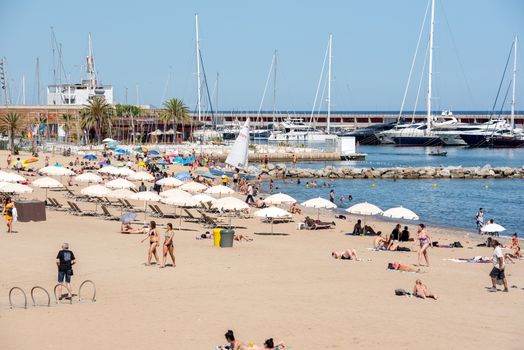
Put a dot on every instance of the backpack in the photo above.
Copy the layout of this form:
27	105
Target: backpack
401	292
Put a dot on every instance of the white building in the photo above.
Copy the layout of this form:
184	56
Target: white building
78	94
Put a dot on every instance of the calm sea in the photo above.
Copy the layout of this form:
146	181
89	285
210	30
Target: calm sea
441	202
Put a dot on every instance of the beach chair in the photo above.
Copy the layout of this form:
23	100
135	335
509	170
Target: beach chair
130	206
72	209
210	221
192	218
154	212
81	212
162	215
107	215
55	204
69	193
123	204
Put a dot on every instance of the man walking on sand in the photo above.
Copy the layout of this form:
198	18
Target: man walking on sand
497	273
65	261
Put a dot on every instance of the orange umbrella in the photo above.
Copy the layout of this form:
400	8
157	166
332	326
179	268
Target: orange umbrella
31	160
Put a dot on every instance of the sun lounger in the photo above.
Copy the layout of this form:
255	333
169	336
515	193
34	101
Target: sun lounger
191	217
210	221
162	215
107	215
55	204
80	212
154	212
130	206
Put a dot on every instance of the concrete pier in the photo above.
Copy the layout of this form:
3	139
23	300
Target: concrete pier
286	157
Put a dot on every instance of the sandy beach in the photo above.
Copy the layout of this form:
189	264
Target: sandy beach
285	287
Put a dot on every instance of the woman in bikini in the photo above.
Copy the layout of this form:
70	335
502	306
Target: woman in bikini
168	245
425	242
8	212
348	254
154	238
420	290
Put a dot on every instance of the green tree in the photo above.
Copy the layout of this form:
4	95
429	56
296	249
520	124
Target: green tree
11	123
98	115
132	112
178	113
67	118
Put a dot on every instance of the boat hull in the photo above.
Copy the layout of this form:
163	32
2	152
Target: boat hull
417	141
506	142
475	140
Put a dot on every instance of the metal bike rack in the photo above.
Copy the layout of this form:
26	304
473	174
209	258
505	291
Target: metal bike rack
56	297
33	297
23	293
93	299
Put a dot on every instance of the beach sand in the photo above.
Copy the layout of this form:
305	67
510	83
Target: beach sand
285	287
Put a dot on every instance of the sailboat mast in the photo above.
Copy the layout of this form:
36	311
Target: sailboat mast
514	81
430	74
329	84
199	88
275	82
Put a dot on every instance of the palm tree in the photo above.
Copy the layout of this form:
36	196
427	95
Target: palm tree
98	114
11	123
165	118
178	113
67	118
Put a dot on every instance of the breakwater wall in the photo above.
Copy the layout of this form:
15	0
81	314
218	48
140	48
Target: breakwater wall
450	172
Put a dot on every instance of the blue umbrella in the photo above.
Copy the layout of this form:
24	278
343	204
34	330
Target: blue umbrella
153	152
178	160
127	217
187	161
90	157
208	175
162	162
185	176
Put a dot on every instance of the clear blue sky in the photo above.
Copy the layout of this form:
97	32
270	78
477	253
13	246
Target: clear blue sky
136	42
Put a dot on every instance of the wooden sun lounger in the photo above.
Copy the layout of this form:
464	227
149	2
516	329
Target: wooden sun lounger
81	212
154	211
191	217
55	204
210	221
130	206
107	215
161	213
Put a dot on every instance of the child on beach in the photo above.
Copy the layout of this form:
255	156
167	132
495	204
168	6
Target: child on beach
420	290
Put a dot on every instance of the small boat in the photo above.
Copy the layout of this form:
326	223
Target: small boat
438	153
228	173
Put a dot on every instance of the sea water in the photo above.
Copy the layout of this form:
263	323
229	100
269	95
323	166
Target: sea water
442	202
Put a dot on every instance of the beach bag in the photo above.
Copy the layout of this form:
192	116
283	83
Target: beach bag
457	245
400	292
403	249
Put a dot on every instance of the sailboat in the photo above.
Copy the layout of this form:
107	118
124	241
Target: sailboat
238	155
423	135
294	129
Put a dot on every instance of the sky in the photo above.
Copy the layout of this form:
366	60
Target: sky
149	47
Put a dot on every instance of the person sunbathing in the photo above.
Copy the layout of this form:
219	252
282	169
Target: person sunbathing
242	237
514	243
421	291
348	254
398	266
380	243
128	229
269	344
294	209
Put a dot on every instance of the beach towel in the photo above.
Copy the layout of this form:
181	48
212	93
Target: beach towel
477	260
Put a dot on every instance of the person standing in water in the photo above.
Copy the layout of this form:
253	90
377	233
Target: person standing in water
332	196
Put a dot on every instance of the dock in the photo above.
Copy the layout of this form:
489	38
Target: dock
287	157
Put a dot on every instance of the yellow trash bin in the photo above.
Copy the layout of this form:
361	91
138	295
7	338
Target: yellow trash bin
216	237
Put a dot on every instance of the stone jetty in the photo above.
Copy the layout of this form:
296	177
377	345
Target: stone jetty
449	172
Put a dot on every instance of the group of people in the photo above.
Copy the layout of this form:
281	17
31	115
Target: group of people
154	242
234	344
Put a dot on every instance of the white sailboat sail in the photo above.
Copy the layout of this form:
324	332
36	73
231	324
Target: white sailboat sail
238	156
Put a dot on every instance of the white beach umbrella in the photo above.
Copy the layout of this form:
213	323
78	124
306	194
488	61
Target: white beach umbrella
279	198
88	177
8	187
11	177
492	228
108	169
175	192
180	202
193	187
124	172
141	176
145	196
204	198
120	183
95	191
230	204
364	208
272	213
170	181
56	171
319	203
107	139
47	182
400	213
122	193
220	190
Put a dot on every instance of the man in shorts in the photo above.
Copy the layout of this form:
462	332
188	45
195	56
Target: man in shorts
497	273
65	261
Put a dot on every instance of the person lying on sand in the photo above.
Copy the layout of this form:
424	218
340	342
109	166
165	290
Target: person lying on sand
238	237
398	266
269	344
420	290
348	254
128	229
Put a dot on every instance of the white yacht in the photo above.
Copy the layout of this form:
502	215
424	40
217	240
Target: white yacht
294	130
450	133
